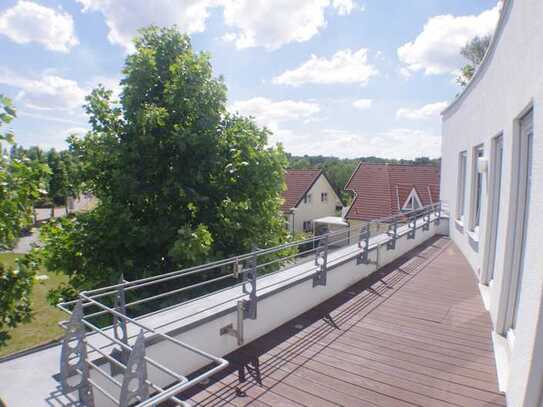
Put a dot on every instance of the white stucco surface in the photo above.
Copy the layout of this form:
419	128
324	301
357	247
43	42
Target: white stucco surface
509	84
308	211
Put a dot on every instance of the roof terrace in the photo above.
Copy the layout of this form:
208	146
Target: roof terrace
385	314
415	333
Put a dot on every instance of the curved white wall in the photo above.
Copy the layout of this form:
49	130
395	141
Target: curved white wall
509	83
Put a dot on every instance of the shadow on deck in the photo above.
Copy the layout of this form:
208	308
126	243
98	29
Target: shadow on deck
413	333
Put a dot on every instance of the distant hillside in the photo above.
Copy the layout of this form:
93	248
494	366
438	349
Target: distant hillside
339	170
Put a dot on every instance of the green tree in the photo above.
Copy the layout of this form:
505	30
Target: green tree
21	184
65	180
21	181
178	180
474	51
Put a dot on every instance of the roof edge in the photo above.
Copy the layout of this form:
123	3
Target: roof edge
483	66
309	187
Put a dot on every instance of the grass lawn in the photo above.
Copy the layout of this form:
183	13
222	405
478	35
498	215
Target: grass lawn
44	326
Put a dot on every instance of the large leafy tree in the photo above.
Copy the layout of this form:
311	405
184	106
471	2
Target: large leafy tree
178	179
21	182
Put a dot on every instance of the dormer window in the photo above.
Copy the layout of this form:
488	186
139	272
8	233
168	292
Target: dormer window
412	202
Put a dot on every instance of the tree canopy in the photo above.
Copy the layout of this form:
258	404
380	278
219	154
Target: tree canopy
474	51
64	179
21	183
178	179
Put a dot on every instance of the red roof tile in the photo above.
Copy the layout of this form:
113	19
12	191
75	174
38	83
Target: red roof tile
298	183
382	189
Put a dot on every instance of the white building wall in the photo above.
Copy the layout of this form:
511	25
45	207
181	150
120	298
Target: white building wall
508	84
316	209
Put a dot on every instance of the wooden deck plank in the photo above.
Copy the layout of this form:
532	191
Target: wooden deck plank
415	333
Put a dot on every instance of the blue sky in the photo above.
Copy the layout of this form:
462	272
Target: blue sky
348	78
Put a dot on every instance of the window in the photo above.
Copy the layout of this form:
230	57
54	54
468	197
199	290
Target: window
413	202
523	196
460	205
324	196
493	222
307	198
477	179
308	226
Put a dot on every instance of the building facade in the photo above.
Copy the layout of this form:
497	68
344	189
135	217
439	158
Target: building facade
492	180
309	196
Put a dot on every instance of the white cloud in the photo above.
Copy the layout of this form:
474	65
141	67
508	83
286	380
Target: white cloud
263	23
393	143
125	17
27	22
48	92
270	113
78	131
345	7
436	50
428	111
56	137
344	67
272	24
275	114
363	104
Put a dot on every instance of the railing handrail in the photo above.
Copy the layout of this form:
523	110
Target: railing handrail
245	310
144	282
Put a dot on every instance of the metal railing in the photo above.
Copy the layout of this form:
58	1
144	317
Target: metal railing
123	341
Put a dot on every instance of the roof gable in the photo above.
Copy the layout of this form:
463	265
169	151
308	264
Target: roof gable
298	183
412	198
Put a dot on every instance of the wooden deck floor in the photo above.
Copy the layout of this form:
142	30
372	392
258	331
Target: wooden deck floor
414	334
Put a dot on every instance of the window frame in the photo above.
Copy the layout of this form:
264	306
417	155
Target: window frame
524	171
476	189
461	187
414	198
494	205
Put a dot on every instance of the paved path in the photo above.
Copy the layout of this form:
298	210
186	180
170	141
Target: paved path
26	243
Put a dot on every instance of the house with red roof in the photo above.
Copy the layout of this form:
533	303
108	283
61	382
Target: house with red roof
383	190
309	196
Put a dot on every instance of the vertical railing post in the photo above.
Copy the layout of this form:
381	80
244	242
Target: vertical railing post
321	260
73	358
426	218
120	330
246	308
364	244
134	386
392	233
249	287
412	226
437	213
